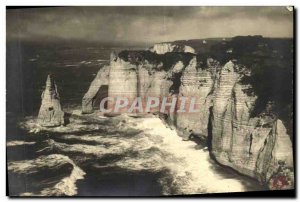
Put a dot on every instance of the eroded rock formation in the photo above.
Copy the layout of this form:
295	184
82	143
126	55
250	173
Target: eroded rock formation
254	145
97	91
50	113
122	82
197	83
248	144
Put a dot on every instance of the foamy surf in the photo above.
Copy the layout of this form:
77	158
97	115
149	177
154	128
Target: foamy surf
136	144
66	186
18	143
193	170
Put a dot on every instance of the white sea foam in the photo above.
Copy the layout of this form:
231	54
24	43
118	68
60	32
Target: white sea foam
160	148
192	169
71	65
147	144
67	186
18	143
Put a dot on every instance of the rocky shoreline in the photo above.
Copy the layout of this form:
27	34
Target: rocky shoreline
235	130
255	145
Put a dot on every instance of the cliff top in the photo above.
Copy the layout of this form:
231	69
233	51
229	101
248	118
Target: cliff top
167	60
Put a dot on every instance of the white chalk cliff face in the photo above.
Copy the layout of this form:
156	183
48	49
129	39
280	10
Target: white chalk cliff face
152	83
249	145
258	147
122	82
197	83
162	48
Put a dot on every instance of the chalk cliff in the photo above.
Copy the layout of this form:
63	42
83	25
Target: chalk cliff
257	145
248	144
197	82
162	48
122	81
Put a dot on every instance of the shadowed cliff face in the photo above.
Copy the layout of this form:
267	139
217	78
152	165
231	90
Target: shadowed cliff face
238	108
246	143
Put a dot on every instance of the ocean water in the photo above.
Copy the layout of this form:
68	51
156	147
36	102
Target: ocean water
96	156
72	66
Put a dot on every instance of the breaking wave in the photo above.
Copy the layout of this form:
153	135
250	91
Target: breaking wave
54	162
117	149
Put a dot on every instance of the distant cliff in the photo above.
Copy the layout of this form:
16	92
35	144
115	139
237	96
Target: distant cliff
162	48
244	126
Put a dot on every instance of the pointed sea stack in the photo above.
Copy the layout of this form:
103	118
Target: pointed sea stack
50	114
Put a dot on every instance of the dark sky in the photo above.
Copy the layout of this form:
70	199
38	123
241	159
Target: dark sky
147	24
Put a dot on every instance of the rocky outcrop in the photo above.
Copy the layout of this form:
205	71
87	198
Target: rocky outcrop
50	113
248	144
196	83
97	91
122	83
257	146
153	83
279	174
162	48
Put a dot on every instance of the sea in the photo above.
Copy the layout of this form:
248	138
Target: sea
96	156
